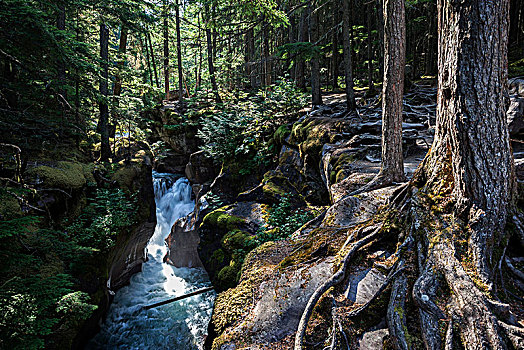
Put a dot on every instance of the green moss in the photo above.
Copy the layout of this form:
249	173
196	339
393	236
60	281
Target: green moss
221	219
9	206
228	276
236	239
280	135
65	176
218	257
126	176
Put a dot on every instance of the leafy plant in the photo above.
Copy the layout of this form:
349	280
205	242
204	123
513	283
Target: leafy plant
108	213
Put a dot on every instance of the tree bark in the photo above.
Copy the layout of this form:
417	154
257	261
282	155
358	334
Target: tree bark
265	46
61	25
179	53
122	46
348	69
211	66
316	95
166	48
302	37
335	63
250	53
471	128
392	167
105	148
370	48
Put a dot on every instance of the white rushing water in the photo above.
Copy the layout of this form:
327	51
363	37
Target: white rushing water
179	325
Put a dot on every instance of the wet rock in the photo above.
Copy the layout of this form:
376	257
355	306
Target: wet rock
224	231
200	168
183	244
128	257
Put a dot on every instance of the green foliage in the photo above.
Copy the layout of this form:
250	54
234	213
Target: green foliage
16	226
28	310
283	220
245	125
299	51
75	306
107	214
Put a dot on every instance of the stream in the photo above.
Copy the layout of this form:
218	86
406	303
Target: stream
179	325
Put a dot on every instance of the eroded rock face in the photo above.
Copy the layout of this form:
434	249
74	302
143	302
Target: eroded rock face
278	278
200	168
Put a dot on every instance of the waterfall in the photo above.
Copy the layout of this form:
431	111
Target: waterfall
180	325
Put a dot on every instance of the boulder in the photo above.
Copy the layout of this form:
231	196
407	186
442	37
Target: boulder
515	115
200	168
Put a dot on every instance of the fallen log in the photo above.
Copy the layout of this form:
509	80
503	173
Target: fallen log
168	301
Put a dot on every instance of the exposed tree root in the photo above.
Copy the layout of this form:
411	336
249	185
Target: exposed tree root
513	269
396	315
448	288
356	312
379	181
448	344
335	279
514	334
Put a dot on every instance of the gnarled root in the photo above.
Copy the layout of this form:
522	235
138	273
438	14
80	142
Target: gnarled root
396	315
332	281
478	324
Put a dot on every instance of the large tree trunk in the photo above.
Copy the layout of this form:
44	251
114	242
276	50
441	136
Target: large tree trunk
392	167
316	95
166	48
122	46
179	54
301	64
346	33
371	89
153	61
103	127
61	25
250	52
265	46
471	127
336	20
211	66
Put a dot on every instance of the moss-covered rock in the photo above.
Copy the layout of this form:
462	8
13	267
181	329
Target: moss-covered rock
280	135
64	175
220	219
9	206
125	176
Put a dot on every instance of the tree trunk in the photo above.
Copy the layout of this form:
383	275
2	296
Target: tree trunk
316	95
153	61
179	54
392	167
105	149
302	37
370	48
122	46
61	25
148	60
166	48
471	127
348	69
335	63
211	67
267	61
250	53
